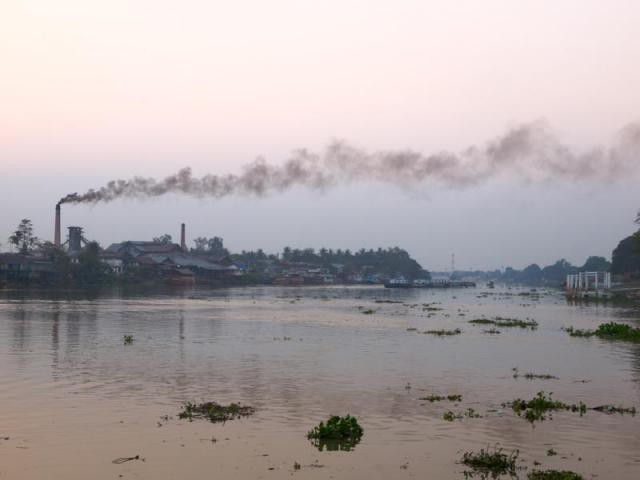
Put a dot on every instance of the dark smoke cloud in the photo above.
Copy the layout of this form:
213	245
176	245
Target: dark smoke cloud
530	152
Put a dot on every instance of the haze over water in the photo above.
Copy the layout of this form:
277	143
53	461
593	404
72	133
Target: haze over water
74	398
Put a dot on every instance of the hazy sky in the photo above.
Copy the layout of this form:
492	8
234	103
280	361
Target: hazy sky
93	90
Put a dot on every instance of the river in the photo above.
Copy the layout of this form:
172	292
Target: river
74	397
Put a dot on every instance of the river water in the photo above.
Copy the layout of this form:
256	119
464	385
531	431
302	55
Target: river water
73	397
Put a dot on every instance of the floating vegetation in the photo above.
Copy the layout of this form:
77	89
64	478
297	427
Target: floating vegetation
551	452
387	301
426	307
554	475
411	329
437	398
338	433
533	376
539	376
540	407
128	339
450	416
368	311
121	460
471	413
441	333
215	412
491	462
482	321
574	332
609	331
514	322
613	409
432	398
492	331
506	322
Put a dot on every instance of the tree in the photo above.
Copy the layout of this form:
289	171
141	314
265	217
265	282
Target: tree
91	271
557	272
596	264
532	273
60	260
212	246
164	239
625	259
201	244
215	246
23	238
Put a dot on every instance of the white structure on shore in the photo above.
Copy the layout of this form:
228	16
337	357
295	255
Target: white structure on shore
585	284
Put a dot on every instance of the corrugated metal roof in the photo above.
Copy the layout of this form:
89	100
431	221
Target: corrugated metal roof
140	248
191	261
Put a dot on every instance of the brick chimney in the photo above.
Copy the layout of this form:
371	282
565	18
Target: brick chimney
56	231
183	238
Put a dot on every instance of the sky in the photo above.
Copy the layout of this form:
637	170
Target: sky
92	91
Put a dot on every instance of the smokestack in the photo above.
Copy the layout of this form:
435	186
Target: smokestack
56	232
183	238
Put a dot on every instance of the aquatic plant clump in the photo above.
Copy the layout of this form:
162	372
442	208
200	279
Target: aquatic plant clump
615	409
337	433
538	408
492	331
450	416
533	376
539	376
575	332
553	475
443	333
215	412
506	322
437	398
609	331
494	462
127	339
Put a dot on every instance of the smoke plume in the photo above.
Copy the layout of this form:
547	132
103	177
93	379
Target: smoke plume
530	152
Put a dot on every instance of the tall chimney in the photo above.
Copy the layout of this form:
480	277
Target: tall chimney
183	238
56	232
